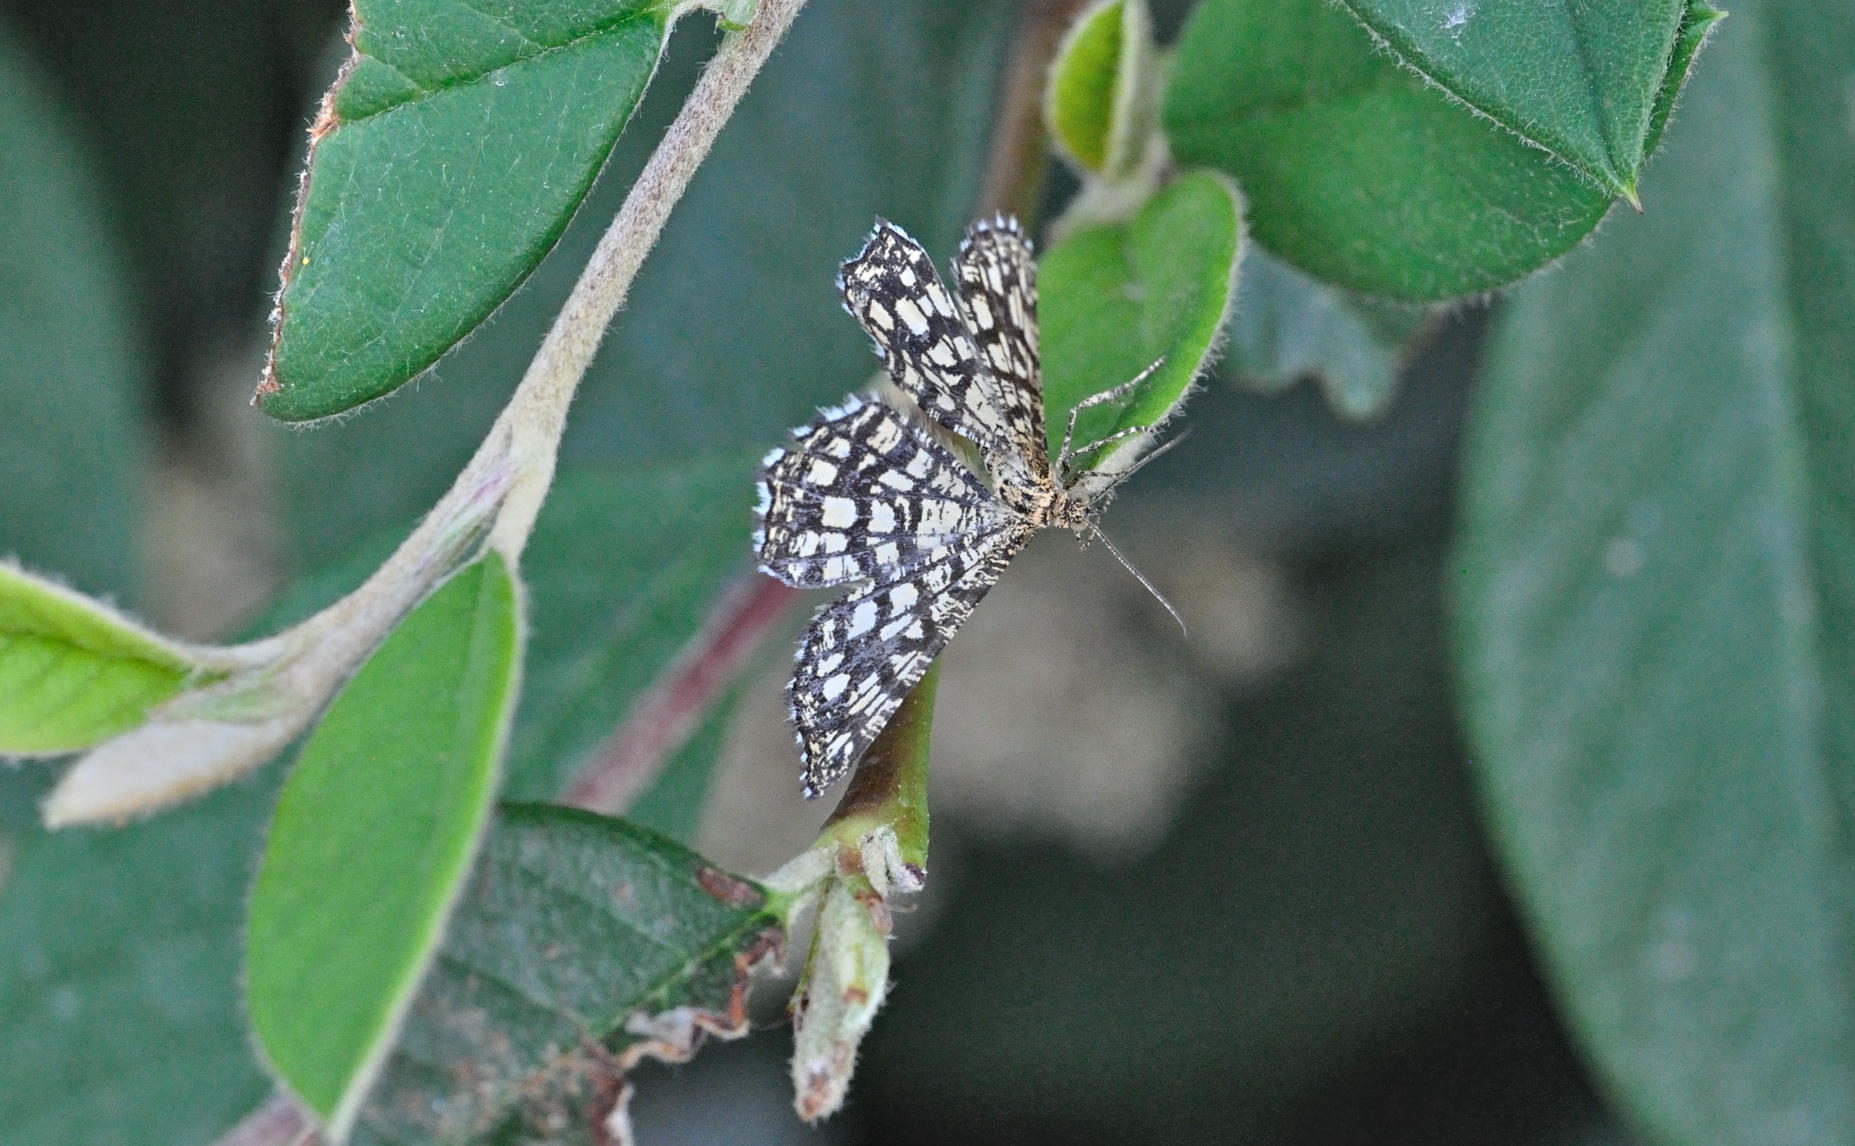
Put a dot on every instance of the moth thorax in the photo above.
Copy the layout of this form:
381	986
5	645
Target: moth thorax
1071	513
1048	505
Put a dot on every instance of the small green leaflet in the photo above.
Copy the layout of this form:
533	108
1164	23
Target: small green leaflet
74	672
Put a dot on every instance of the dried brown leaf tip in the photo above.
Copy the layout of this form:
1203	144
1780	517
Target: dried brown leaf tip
730	890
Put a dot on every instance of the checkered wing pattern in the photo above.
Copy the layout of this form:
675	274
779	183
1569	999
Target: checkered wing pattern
863	652
998	294
867	498
892	288
864	495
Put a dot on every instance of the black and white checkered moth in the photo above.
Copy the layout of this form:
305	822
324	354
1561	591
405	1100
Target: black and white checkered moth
867	496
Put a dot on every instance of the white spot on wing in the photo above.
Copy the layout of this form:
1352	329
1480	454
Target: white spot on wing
911	314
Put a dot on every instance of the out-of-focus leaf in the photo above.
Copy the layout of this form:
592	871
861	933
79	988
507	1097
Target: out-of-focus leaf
573	924
1324	872
74	672
673	804
447	160
621	571
1355	171
112	943
119	954
1657	605
1166	277
1579	80
70	453
373	838
1288	327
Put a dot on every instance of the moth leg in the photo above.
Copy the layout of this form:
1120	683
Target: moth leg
1098	443
1064	455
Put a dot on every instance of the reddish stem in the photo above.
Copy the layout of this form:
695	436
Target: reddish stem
1015	165
668	713
279	1122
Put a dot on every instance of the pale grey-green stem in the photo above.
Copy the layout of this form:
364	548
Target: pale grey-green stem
277	686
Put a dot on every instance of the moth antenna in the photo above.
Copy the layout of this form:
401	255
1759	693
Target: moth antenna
1141	577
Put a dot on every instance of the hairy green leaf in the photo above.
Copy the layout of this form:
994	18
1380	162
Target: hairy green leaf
71	455
573	924
1657	606
449	157
1578	80
373	839
1115	299
74	672
1357	172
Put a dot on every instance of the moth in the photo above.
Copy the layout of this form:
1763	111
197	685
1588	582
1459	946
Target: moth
867	496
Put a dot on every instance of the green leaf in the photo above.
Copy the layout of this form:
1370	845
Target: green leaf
734	332
74	672
1579	80
1657	605
1101	100
1355	171
71	454
1114	299
373	838
447	160
573	924
1079	102
118	977
1696	26
1288	327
